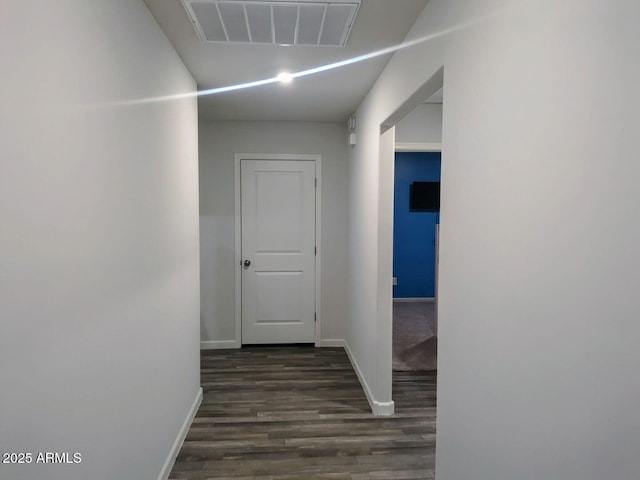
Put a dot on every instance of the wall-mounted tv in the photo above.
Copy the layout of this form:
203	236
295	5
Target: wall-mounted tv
424	197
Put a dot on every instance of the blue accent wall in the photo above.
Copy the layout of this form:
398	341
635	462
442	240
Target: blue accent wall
414	233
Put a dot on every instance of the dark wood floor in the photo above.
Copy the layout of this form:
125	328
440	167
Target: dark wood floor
285	413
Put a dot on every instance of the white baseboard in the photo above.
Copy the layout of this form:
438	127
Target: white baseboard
219	344
417	299
330	342
378	408
177	444
384	408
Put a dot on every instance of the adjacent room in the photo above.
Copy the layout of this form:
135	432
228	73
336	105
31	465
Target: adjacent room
416	223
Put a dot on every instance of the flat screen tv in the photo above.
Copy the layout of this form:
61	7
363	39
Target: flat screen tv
424	197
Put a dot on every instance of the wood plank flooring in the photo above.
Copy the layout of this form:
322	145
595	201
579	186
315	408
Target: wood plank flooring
299	413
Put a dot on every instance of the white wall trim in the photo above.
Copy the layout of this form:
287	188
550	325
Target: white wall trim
318	161
416	299
378	408
330	342
384	408
238	157
238	251
418	147
182	434
219	344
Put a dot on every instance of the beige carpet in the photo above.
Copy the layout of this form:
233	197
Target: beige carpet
414	344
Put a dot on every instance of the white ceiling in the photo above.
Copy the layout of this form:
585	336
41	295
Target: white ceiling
328	96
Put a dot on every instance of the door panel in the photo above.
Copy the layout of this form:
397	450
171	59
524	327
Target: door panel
278	239
279	213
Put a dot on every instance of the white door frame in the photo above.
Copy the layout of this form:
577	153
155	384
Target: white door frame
418	147
238	157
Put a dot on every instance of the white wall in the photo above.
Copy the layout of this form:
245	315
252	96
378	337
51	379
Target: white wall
422	125
538	308
99	271
219	141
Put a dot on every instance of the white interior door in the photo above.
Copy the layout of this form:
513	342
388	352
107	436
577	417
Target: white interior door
278	251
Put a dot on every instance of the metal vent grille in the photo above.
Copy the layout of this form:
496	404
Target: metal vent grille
278	22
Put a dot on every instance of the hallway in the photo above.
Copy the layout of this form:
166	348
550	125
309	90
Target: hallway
276	413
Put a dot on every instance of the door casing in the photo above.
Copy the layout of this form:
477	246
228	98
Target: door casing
238	157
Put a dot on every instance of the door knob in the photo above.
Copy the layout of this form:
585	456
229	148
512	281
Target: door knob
247	263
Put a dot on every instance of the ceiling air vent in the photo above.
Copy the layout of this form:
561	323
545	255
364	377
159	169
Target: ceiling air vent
276	22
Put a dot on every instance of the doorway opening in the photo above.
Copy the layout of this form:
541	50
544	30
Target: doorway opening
415	243
417	131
